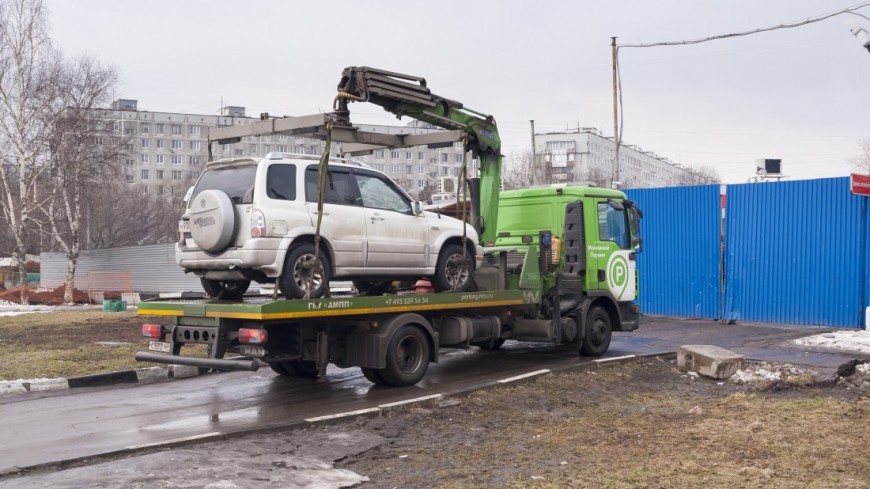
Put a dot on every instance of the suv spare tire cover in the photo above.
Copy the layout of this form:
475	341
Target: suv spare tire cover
212	219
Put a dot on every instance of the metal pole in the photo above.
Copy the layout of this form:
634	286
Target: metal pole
616	136
534	158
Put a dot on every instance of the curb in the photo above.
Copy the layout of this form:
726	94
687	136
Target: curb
132	376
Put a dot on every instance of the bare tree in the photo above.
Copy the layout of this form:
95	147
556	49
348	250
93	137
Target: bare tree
861	163
126	216
29	70
85	146
699	175
523	170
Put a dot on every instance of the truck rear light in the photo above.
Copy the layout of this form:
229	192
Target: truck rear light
251	336
258	224
152	330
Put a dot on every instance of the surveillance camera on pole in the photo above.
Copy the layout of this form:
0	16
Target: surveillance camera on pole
861	33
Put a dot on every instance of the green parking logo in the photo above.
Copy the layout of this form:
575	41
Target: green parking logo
617	275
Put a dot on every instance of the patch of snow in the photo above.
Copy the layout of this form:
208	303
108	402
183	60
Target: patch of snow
766	372
856	341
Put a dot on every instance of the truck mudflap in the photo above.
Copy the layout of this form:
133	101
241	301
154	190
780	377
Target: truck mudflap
237	363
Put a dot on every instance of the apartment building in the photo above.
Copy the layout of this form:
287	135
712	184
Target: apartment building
583	154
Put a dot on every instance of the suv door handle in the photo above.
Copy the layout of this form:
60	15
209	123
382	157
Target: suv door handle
315	212
376	217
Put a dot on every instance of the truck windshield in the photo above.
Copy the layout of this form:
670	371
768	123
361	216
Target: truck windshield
235	181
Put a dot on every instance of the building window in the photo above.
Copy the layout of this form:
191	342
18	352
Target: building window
144	189
457	158
129	178
177	144
144	174
299	148
315	150
98	141
176	129
159	159
176	159
238	152
267	148
128	147
252	149
176	174
394	168
195	145
158	174
408	155
159	144
160	190
444	157
160	129
409	169
144	158
421	155
380	153
194	160
129	161
421	183
129	132
144	127
282	148
195	130
394	154
421	170
144	143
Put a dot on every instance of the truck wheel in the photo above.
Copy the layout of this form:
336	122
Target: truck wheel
598	333
373	375
407	357
295	368
227	290
451	274
301	270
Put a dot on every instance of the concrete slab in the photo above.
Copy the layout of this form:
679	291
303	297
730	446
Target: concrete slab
709	360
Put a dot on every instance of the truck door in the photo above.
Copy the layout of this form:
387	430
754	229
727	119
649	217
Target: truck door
613	253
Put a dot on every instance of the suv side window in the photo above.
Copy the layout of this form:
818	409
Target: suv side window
377	193
281	182
339	187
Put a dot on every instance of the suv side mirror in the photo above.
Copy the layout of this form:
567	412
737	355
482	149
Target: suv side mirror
188	194
417	207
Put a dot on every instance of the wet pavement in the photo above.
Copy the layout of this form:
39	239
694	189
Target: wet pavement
49	428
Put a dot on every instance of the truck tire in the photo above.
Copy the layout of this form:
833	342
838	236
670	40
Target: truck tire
295	368
225	290
299	273
450	274
373	375
212	220
407	357
598	333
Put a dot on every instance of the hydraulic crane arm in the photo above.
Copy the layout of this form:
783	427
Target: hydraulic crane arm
406	95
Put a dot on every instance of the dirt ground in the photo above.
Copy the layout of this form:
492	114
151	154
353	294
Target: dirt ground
642	424
51	297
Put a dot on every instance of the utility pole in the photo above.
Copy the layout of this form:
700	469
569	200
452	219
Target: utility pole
614	176
534	154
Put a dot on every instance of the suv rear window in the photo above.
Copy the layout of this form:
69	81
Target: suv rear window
236	181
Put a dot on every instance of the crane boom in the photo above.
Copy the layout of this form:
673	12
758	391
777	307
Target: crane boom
406	95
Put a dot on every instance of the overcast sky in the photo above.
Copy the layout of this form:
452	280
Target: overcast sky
797	94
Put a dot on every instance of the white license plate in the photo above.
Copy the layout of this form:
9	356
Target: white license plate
183	226
159	346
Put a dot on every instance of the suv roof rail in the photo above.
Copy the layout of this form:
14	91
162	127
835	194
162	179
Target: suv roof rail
274	155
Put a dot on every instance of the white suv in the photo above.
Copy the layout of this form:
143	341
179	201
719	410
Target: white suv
255	218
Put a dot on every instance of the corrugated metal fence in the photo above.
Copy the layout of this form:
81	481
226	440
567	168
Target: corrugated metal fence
152	267
794	252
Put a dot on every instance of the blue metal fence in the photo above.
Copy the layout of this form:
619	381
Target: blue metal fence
679	266
796	253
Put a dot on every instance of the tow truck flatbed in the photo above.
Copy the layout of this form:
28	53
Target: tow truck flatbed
264	309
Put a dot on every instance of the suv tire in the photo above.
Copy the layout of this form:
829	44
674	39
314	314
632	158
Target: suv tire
298	273
450	274
212	220
227	290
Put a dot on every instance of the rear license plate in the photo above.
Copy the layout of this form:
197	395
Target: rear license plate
184	226
159	346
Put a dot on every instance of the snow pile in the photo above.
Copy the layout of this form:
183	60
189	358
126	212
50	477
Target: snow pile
764	372
855	341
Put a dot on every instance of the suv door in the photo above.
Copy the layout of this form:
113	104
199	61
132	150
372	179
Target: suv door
344	220
396	237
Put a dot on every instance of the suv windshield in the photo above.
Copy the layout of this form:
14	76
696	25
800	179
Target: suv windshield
236	181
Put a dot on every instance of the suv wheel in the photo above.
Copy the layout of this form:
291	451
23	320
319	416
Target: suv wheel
302	271
451	274
227	290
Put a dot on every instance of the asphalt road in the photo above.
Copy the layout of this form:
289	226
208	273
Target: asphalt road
48	428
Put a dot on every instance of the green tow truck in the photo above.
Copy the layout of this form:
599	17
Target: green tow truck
558	265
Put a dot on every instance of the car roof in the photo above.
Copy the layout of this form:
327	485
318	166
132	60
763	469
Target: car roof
284	157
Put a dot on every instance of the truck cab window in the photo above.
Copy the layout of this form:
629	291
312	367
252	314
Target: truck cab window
612	225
